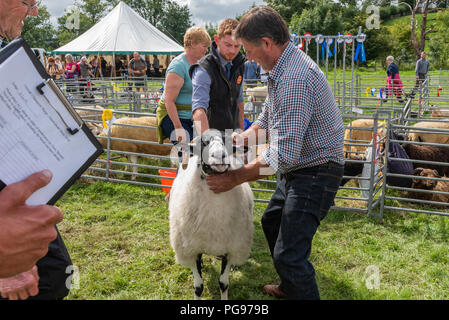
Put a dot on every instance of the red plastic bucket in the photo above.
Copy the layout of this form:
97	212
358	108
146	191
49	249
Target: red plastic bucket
167	182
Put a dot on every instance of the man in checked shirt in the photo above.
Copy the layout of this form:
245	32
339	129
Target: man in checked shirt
305	131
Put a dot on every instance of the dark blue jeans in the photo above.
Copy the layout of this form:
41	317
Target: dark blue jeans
301	200
168	127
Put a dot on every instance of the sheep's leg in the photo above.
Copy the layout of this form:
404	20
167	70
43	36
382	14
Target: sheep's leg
224	277
134	161
197	277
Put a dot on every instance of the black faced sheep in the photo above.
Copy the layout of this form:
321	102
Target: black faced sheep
427	184
202	222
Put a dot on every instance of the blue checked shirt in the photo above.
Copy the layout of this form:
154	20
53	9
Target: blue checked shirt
301	117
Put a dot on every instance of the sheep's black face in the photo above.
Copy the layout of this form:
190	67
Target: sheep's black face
215	158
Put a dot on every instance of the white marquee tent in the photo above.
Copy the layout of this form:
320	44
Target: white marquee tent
122	31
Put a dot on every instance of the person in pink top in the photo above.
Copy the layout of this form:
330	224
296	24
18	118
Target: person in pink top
71	67
394	83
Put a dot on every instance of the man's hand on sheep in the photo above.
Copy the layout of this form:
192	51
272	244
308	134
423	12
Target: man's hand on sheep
222	182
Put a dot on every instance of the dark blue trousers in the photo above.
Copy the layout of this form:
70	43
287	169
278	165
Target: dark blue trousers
168	128
301	200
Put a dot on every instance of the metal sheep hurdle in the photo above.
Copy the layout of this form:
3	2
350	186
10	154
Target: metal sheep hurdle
370	194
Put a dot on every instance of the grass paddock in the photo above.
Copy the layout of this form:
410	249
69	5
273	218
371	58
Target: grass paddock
118	237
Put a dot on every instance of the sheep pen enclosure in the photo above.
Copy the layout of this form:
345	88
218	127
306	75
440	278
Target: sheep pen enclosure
116	228
369	114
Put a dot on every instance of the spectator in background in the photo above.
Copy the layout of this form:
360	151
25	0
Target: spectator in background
85	68
251	73
156	66
137	68
103	67
71	67
421	70
53	69
59	64
217	82
120	69
394	83
148	63
94	63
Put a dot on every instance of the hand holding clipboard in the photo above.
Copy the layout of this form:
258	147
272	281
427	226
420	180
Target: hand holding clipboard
39	129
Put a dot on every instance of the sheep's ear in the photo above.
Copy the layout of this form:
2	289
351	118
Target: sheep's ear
418	171
437	175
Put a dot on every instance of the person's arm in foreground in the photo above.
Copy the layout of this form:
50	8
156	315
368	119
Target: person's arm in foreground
20	286
26	231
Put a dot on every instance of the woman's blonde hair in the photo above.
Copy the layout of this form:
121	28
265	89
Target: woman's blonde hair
69	57
195	35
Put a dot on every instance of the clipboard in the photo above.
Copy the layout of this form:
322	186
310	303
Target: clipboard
40	109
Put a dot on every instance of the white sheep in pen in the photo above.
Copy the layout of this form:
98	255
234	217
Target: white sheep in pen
202	222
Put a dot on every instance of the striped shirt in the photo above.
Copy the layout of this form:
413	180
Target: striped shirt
304	124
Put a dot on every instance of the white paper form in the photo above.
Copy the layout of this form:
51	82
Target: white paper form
32	135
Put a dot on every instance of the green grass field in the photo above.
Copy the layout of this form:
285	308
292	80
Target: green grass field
118	237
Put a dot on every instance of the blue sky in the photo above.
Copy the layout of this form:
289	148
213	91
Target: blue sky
202	10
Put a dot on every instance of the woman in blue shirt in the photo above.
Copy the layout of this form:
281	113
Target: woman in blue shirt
174	112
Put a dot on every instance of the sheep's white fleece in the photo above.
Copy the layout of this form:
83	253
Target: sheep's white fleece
204	222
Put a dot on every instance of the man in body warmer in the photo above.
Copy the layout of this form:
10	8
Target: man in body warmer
217	82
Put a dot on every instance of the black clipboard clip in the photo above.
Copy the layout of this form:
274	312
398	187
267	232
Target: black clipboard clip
59	94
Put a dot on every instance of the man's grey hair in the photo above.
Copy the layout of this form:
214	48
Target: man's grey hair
390	58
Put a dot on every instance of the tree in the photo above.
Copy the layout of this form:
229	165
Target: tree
72	24
323	18
420	6
439	44
151	10
176	21
288	8
211	28
38	31
94	9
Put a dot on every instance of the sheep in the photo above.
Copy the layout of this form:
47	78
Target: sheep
428	153
133	133
202	222
430	137
356	134
90	112
427	184
439	112
257	93
352	169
